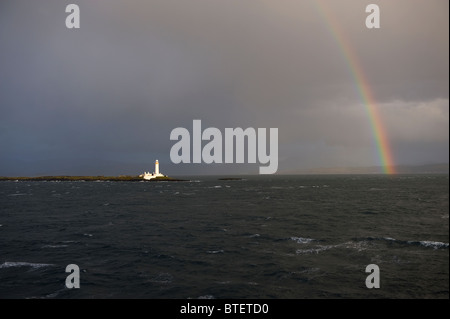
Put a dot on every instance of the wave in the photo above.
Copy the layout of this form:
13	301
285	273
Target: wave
11	264
302	240
54	246
361	244
368	212
424	243
162	278
314	250
356	245
432	244
221	251
55	294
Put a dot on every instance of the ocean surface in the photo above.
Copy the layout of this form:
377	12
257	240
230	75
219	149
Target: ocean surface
290	237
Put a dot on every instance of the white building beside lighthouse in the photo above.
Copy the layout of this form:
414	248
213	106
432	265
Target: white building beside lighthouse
155	174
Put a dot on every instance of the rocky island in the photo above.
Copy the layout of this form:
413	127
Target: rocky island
120	178
156	176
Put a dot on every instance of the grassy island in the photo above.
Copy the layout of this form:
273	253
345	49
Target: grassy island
121	178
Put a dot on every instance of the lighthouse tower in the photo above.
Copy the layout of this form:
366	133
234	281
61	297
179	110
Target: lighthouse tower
157	168
155	174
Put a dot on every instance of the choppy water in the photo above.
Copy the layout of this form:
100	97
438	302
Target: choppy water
261	237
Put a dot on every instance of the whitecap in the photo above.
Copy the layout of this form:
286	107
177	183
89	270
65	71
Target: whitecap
301	240
309	271
55	294
11	264
359	245
54	246
215	251
314	250
425	243
206	297
162	278
433	244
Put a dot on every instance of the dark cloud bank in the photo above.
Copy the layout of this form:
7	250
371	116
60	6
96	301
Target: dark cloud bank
103	99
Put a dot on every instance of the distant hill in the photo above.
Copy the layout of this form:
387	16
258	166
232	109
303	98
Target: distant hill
424	169
401	169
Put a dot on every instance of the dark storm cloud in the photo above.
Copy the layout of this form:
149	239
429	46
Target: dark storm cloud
103	99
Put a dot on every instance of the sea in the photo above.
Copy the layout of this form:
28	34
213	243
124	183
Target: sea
257	237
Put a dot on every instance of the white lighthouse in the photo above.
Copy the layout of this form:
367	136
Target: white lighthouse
155	174
156	167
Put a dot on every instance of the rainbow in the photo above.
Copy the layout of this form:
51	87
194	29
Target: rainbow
363	87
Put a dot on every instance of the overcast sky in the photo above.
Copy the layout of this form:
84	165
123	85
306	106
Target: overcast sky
104	98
